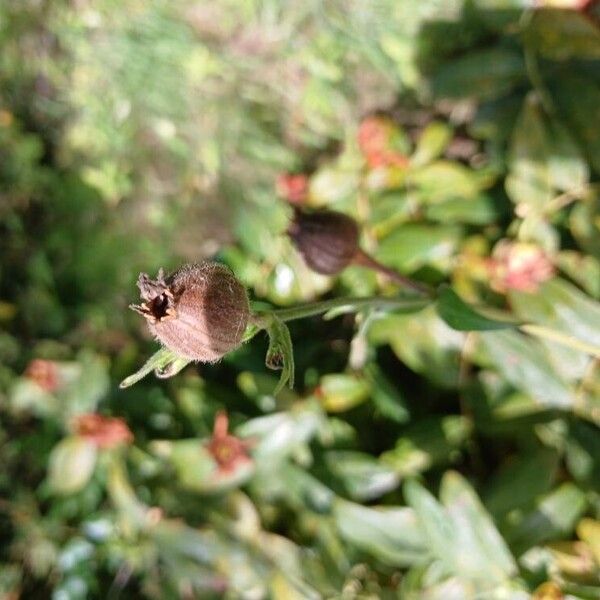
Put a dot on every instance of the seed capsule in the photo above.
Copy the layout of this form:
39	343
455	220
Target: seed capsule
327	240
199	312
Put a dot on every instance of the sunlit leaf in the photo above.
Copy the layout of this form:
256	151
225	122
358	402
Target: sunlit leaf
432	143
529	182
71	465
481	553
390	534
522	362
363	476
555	515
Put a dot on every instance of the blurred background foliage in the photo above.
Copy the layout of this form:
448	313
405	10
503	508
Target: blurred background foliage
412	460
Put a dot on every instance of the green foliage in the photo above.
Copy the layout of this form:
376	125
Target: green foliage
417	444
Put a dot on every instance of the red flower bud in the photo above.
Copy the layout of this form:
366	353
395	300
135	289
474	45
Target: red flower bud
294	188
199	312
327	240
105	432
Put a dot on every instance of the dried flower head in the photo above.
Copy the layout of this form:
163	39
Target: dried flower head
200	312
44	373
327	240
227	450
519	266
104	432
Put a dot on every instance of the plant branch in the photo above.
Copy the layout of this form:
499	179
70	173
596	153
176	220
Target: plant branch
349	304
365	260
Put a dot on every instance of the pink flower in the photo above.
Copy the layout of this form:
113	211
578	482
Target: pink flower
294	188
374	136
105	432
519	266
386	158
227	450
44	373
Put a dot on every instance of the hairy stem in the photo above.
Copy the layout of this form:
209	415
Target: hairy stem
351	304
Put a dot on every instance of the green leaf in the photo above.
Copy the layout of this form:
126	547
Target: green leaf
364	477
392	535
588	530
567	167
424	342
432	143
71	465
582	452
584	222
438	529
165	363
479	73
584	269
429	442
278	435
476	211
529	180
332	185
580	111
521	480
386	397
339	392
562	307
132	511
523	363
88	384
554	517
462	317
481	553
280	353
563	34
444	179
414	245
495	119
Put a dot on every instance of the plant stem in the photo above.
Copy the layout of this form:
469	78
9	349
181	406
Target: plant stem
352	304
365	260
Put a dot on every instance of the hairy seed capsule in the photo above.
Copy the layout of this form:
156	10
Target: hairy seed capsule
199	312
327	240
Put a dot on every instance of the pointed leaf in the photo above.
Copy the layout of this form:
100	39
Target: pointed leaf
72	463
559	305
437	527
462	317
555	516
529	181
523	363
164	362
390	534
280	353
481	551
